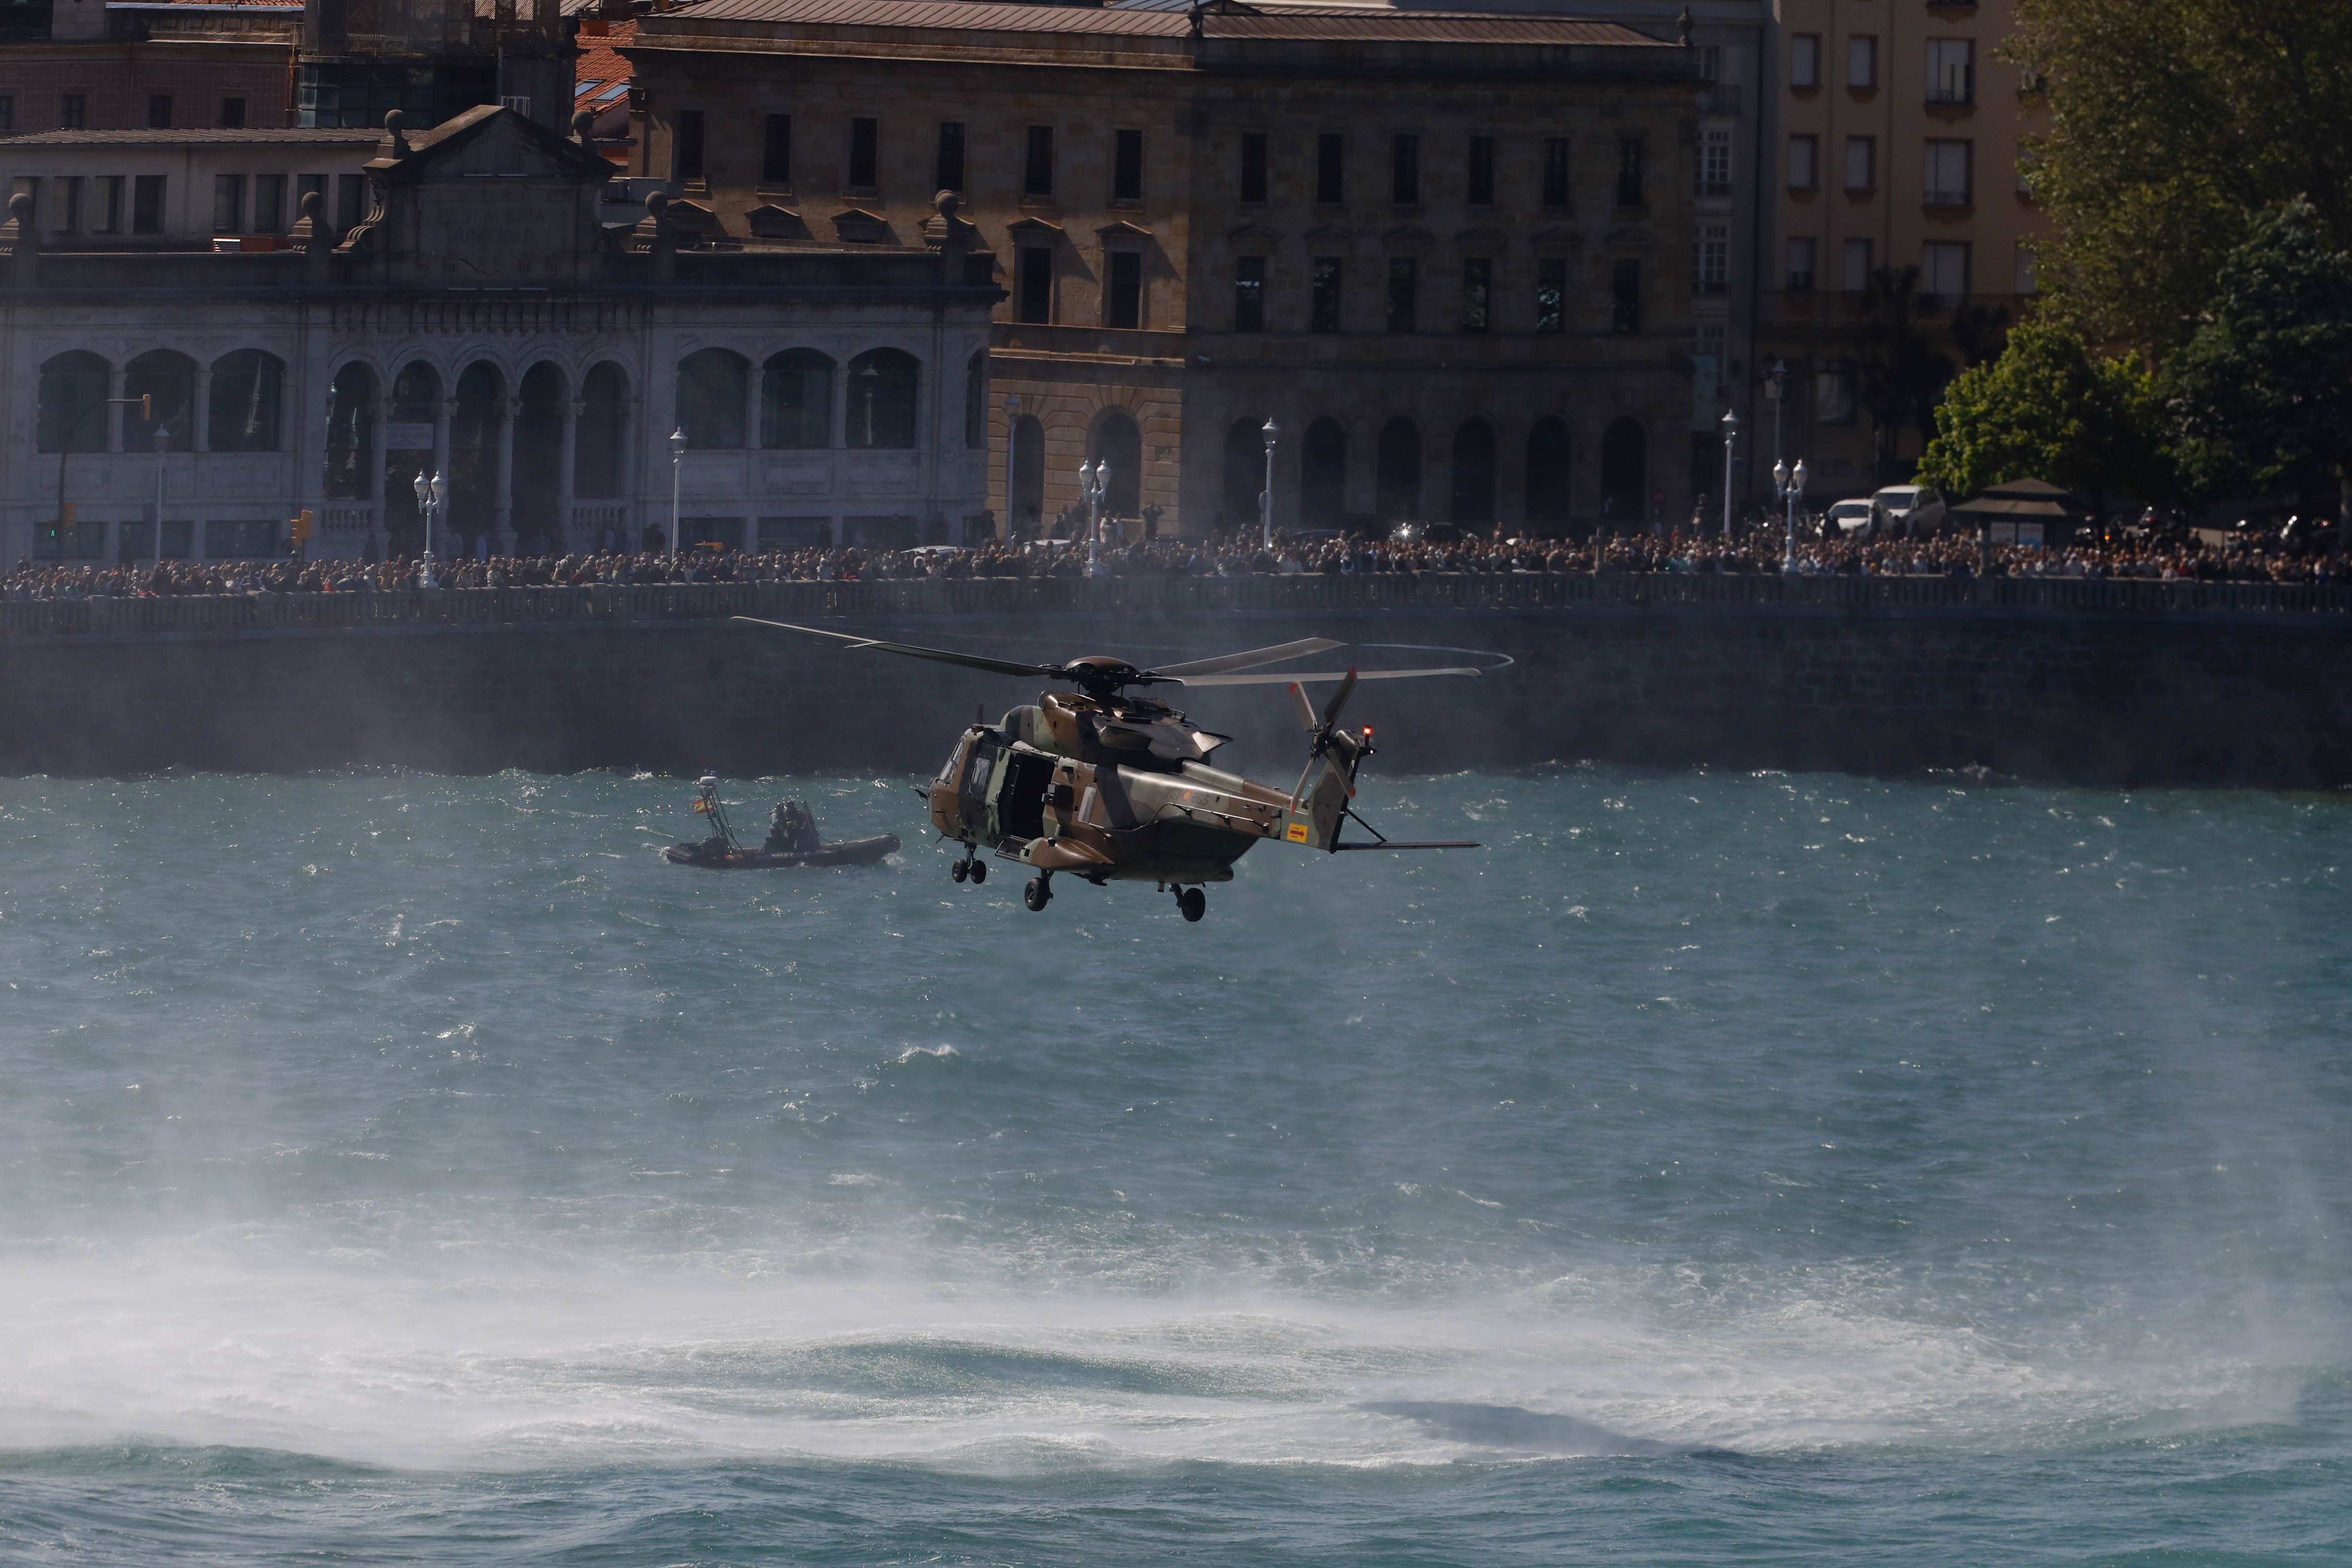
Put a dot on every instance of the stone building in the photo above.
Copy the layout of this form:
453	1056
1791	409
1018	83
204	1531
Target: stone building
183	189
480	321
146	64
1899	133
1449	254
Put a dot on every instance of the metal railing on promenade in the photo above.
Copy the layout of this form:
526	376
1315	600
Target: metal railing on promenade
1145	595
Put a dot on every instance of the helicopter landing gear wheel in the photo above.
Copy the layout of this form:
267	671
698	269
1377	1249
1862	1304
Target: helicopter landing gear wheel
1037	895
979	873
1191	904
959	870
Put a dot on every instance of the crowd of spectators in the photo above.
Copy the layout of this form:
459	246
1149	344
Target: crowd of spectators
2167	559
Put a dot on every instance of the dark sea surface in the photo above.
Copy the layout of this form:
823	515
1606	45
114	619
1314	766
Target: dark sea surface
1713	1169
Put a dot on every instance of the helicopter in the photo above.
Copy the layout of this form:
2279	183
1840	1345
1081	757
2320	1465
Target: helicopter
1108	783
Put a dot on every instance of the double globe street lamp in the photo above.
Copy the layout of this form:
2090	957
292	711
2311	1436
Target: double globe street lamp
1789	484
1094	482
677	471
432	495
1267	433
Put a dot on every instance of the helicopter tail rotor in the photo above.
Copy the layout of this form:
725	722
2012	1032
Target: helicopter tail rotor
1338	752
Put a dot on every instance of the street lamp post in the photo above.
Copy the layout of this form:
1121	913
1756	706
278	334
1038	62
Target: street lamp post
677	471
1094	480
1789	484
1730	438
432	495
1268	434
162	438
1011	442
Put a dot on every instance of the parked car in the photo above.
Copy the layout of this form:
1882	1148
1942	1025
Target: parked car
1850	519
1917	509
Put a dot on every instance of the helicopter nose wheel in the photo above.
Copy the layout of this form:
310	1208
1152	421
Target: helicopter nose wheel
1191	904
969	867
1037	894
979	873
961	870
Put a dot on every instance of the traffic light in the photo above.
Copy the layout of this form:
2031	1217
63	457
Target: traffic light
301	526
146	408
66	513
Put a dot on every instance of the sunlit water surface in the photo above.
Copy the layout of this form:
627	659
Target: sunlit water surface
1711	1168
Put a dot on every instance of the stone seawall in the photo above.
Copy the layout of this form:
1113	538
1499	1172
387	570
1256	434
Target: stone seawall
2217	696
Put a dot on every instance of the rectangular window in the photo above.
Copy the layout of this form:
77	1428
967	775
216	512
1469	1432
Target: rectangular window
1715	162
179	540
1944	273
1249	293
1833	394
1950	179
1404	293
147	203
1323	304
1710	62
73	109
1404	171
240	540
1125	305
1253	166
776	152
1551	294
1477	292
228	203
159	111
1037	168
1555	173
1127	166
106	206
2025	284
351	200
1711	258
1482	171
1805	61
1804	156
864	154
1800	264
1033	284
1951	70
947	167
1854	264
686	147
1861	61
269	203
232	114
1862	162
1629	170
65	203
1625	296
1330	170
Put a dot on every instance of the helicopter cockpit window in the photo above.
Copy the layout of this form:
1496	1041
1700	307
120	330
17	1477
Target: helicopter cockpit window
972	790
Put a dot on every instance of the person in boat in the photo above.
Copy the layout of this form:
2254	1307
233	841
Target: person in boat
792	830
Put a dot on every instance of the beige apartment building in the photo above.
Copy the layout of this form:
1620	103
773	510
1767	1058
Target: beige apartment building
1450	255
1898	141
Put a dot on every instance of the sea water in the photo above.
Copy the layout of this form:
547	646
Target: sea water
1711	1168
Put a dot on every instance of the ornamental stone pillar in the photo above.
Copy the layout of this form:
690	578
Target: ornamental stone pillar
503	545
567	481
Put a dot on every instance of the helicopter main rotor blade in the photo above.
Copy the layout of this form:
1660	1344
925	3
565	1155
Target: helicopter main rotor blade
1320	675
939	655
1249	660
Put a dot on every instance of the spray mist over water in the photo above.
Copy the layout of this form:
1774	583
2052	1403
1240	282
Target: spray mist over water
434	1122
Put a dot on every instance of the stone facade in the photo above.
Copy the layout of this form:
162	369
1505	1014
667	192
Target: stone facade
1129	171
481	323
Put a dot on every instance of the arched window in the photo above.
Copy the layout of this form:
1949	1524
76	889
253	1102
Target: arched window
1398	472
247	389
1117	442
883	385
796	401
1547	471
1624	462
169	383
1474	472
601	437
539	461
710	391
474	452
408	424
350	431
1244	470
975	401
1027	481
1323	474
73	404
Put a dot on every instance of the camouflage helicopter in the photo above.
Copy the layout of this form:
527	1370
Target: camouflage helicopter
1107	785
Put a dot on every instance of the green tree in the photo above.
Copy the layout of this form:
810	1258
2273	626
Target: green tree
2263	391
2168	125
2050	409
1901	371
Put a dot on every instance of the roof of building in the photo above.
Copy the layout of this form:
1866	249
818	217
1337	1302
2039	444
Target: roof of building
341	136
602	65
1366	23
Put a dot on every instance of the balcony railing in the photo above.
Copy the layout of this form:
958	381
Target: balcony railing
1951	94
1962	197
